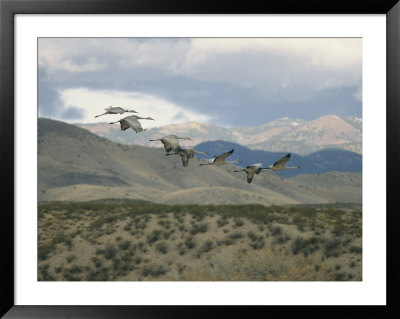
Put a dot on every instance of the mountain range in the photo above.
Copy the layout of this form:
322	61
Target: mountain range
283	135
77	165
323	161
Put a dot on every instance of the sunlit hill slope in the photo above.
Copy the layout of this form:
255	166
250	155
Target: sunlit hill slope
77	165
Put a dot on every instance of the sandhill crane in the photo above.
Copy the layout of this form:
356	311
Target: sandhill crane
220	159
251	170
171	142
280	165
115	110
186	154
132	122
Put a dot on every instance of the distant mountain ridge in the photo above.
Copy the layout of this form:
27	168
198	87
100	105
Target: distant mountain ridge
282	135
318	162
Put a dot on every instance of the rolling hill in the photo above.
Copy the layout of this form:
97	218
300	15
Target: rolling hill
77	165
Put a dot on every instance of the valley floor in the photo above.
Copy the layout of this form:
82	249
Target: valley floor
127	240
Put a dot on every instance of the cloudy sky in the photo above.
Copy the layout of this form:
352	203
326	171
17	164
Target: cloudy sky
225	81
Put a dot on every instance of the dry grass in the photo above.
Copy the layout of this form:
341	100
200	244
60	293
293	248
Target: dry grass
134	240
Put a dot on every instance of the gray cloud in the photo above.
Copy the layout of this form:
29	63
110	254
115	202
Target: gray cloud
72	113
244	87
50	103
48	97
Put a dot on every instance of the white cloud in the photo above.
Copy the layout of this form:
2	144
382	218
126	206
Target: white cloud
269	69
82	54
330	53
93	102
268	64
160	53
188	55
68	54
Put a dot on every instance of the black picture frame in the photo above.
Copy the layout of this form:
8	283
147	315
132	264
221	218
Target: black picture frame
9	8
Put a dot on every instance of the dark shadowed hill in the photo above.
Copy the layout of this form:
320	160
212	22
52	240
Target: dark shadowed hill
319	162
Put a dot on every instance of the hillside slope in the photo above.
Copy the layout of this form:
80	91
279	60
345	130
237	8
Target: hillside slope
77	165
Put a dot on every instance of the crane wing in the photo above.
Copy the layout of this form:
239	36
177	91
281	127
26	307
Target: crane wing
250	176
190	153
133	123
117	109
171	142
223	156
167	146
137	129
282	161
185	161
124	124
170	138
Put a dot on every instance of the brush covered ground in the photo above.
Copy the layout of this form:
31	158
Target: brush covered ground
131	240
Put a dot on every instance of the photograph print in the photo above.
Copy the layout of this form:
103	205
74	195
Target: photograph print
199	159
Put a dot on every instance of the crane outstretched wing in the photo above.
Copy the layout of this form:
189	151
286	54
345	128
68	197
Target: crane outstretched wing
223	156
124	124
185	160
134	123
250	176
117	109
170	142
282	161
